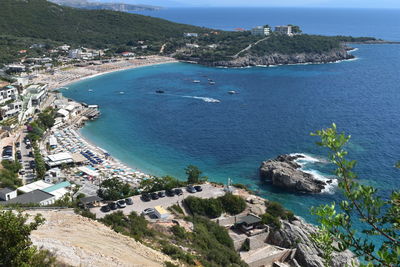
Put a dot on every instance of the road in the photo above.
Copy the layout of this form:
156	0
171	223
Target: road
29	175
249	46
209	191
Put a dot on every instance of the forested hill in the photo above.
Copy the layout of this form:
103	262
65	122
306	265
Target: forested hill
44	20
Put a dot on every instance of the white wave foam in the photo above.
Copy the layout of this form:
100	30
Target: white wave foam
205	99
307	159
329	188
353	50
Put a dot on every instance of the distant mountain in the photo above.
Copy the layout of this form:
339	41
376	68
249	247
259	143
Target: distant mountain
123	7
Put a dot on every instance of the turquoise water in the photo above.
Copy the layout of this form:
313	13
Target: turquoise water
273	113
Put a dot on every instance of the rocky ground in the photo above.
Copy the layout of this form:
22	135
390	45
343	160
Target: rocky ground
79	241
285	173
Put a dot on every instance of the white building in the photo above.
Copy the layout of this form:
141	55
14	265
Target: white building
284	30
192	46
59	159
75	53
64	47
8	93
190	34
7	194
261	31
160	212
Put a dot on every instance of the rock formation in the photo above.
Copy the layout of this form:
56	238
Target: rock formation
296	234
282	59
285	173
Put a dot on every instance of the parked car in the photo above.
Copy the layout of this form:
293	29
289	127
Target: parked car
30	154
121	204
154	196
178	191
145	197
191	189
170	192
32	164
28	146
161	194
129	201
21	172
198	188
17	144
105	208
19	156
113	206
148	211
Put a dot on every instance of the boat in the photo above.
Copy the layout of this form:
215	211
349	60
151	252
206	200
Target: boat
160	92
122	92
211	82
232	92
90	90
196	81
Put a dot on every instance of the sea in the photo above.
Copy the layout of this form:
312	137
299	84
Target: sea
273	113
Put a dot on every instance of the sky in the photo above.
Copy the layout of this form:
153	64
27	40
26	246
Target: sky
266	3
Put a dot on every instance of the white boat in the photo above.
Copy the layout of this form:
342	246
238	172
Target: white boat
196	81
122	92
90	90
232	92
211	82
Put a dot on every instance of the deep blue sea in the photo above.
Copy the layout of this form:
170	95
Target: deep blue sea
273	113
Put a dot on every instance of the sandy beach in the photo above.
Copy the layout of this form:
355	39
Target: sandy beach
65	75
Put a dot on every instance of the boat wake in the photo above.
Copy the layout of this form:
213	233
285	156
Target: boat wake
306	163
205	99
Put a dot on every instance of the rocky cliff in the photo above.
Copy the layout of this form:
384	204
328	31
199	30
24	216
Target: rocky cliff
285	173
296	234
282	59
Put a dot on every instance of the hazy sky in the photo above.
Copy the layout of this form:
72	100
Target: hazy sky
252	3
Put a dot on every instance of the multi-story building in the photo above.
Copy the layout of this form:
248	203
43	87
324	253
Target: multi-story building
261	31
284	30
8	93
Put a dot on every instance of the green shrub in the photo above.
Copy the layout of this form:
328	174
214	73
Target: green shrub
177	253
211	207
178	231
246	245
271	220
232	204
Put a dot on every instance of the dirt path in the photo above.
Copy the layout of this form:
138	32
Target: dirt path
79	241
249	46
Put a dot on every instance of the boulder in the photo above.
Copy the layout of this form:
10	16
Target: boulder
296	234
285	173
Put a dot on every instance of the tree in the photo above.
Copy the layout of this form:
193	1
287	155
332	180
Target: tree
114	189
15	244
193	174
232	204
378	217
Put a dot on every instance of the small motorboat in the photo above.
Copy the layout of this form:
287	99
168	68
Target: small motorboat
90	90
232	92
122	92
196	81
211	82
160	92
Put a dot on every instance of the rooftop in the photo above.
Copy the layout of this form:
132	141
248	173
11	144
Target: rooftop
56	187
91	199
34	197
34	186
249	219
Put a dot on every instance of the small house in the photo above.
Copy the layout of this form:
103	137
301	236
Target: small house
248	222
7	194
160	212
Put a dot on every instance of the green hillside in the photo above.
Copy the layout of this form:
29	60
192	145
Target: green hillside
96	28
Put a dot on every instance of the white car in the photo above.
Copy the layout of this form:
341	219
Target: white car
121	204
148	211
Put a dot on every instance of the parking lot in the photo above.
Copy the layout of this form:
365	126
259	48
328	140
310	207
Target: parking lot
209	191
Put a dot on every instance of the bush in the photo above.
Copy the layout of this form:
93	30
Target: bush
211	207
270	220
177	253
178	231
232	204
246	245
176	208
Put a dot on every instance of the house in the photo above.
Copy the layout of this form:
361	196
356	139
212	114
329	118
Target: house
160	212
248	222
53	175
34	197
63	113
127	54
284	30
58	190
261	31
16	68
53	141
7	194
191	34
64	47
8	93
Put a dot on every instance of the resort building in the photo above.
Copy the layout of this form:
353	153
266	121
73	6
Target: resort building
8	93
190	34
261	31
59	159
284	30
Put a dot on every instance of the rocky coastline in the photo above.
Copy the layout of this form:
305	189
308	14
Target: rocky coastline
281	59
285	172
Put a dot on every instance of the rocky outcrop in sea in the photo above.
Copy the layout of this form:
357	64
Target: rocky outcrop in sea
285	173
282	59
296	234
